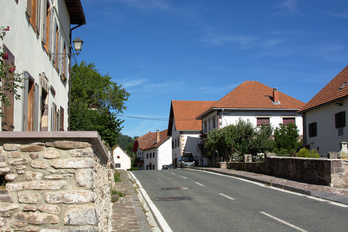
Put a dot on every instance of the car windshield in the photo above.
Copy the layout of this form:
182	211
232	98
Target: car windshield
187	157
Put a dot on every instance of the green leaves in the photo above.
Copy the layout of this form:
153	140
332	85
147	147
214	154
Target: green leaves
95	101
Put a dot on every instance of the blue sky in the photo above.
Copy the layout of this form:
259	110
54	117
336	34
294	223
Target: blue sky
163	50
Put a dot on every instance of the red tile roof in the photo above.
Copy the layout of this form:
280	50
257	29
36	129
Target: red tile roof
336	89
184	114
149	140
254	95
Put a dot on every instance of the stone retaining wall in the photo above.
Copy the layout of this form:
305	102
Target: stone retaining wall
331	172
56	181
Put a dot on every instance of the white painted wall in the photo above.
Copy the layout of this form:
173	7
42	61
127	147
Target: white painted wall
30	55
276	118
121	158
327	138
176	149
158	156
189	143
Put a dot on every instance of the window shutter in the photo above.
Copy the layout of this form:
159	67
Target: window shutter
61	119
38	13
29	2
44	22
25	101
36	121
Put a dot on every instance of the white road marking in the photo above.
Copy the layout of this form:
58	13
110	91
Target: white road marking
228	197
184	177
338	204
284	222
200	184
172	173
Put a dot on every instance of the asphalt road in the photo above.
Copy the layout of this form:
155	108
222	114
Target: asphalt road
191	200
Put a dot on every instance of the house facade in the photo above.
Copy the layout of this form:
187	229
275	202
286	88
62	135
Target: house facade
254	102
325	116
38	45
153	150
121	159
185	129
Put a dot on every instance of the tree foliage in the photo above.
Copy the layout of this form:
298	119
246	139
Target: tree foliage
287	138
241	138
95	102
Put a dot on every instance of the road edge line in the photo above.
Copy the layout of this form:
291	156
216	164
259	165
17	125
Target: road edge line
146	202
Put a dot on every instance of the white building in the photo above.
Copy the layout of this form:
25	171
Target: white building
185	129
121	159
38	44
325	116
254	102
153	150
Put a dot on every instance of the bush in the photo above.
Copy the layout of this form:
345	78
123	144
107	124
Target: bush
304	152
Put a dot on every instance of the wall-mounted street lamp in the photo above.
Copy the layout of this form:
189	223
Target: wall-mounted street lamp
78	45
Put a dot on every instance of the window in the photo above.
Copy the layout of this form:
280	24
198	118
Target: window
153	155
61	116
262	121
153	167
118	157
147	155
56	48
213	122
287	121
205	127
340	119
118	165
312	129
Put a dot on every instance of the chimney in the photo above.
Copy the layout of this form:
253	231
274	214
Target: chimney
276	96
157	136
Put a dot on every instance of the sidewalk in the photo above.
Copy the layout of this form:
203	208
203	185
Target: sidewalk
127	213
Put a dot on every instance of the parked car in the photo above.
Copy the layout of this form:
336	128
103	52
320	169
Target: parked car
186	160
169	166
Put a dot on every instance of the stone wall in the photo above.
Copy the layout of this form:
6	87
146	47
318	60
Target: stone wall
55	181
331	172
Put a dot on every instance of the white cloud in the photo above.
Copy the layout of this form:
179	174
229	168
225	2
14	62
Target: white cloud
287	7
161	5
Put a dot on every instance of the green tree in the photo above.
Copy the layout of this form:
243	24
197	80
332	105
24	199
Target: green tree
95	102
263	141
286	138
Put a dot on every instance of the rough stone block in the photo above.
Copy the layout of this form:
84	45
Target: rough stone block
28	175
53	177
34	156
32	229
70	197
3	222
3	164
6	198
19	220
16	162
29	208
85	178
87	152
39	164
10	177
83	229
38	218
29	197
80	215
4	207
73	163
4	171
67	145
51	154
11	146
52	209
14	154
2	158
33	148
37	185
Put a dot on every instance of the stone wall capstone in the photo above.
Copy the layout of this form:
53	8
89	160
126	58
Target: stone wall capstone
54	181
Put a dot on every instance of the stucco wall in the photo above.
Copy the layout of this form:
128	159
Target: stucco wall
327	138
30	56
124	159
55	180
